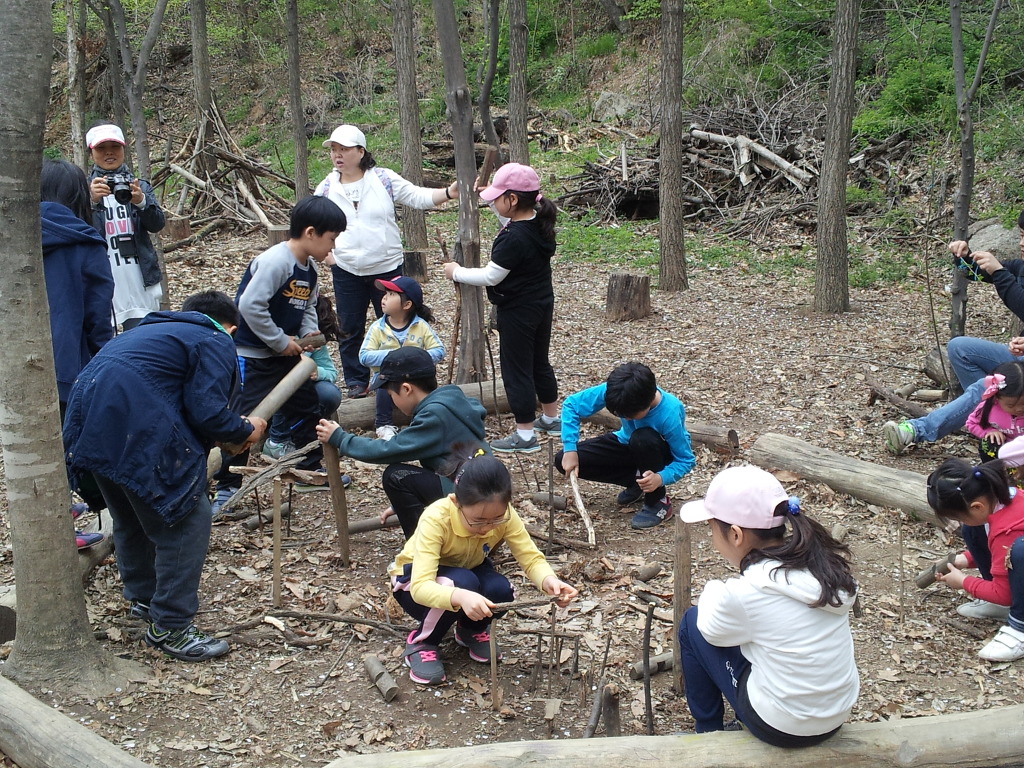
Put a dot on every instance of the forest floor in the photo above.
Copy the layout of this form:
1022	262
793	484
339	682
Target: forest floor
741	349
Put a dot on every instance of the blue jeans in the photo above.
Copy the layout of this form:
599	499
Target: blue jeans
352	295
160	564
329	396
385	408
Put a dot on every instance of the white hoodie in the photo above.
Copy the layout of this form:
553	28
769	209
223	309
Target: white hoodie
803	680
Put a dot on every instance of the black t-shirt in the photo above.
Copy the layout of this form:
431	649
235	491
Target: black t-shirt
526	254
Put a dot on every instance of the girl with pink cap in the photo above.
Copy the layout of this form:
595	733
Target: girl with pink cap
518	282
774	641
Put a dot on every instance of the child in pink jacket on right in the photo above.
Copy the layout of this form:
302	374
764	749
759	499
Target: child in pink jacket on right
999	417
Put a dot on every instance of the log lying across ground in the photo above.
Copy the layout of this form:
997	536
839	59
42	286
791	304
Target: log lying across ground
992	737
863	480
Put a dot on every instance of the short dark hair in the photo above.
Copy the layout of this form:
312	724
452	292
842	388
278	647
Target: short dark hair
65	183
630	388
1020	220
320	213
426	384
214	304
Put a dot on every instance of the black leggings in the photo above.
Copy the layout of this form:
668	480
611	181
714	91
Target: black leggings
605	460
410	489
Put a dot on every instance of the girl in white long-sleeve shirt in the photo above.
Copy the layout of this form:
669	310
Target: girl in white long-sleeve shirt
776	641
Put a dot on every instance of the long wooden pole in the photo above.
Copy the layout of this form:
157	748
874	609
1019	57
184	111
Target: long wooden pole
338	501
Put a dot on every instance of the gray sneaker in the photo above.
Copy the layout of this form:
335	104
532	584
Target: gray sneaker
898	437
515	444
188	644
548	426
275	450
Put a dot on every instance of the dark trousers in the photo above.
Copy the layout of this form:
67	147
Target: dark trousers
160	564
525	334
385	408
410	489
976	539
301	410
710	673
605	460
435	622
329	398
353	294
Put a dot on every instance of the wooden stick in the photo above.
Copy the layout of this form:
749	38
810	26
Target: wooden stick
682	594
486	167
380	677
338	501
276	588
551	496
496	694
648	704
610	706
575	483
927	577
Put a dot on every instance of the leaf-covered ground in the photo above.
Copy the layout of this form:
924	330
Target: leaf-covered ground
742	349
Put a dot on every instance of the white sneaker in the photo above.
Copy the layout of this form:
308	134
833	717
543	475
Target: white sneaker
983	609
387	431
1007	645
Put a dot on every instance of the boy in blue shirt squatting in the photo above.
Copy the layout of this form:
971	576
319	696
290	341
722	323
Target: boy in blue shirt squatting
648	452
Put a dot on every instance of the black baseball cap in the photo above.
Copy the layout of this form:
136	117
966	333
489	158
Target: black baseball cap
403	364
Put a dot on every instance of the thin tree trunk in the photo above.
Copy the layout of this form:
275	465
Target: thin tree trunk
114	70
483	102
518	36
414	221
964	100
672	260
76	93
206	162
831	278
467	248
295	101
54	644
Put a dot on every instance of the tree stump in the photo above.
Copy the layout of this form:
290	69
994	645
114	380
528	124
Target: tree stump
416	266
629	297
276	233
177	228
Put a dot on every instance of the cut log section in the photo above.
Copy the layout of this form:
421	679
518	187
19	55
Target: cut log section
277	233
861	479
628	297
991	737
719	438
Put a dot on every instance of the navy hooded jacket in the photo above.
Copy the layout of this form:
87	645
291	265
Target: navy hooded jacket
147	409
79	289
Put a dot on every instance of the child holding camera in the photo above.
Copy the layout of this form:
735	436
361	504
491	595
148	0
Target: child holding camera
125	212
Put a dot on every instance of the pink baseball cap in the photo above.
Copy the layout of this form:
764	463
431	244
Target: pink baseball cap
101	133
511	176
744	496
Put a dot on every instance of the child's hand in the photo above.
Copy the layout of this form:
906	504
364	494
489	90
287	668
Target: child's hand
571	463
995	437
325	429
987	261
292	350
473	604
449	268
385	514
1016	346
555	587
954	579
650	481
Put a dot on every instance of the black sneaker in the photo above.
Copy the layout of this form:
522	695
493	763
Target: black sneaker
424	662
137	610
188	644
357	390
631	494
479	645
651	515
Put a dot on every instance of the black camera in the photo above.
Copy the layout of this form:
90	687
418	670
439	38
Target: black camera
121	187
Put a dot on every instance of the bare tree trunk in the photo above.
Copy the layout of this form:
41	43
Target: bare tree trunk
964	99
54	644
831	275
483	102
117	89
76	93
467	248
616	15
518	36
672	259
206	162
295	101
414	221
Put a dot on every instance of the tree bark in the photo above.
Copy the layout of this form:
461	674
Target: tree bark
295	101
414	221
672	258
861	479
990	737
832	272
472	365
483	102
54	646
76	90
206	163
518	36
628	297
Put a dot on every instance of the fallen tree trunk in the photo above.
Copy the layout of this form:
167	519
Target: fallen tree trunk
991	737
861	479
913	410
35	735
721	438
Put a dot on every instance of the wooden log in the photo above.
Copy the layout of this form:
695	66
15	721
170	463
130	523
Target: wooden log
610	710
660	663
628	297
35	735
911	409
416	266
927	577
938	369
991	737
358	414
863	480
277	233
380	677
177	228
552	499
338	502
719	438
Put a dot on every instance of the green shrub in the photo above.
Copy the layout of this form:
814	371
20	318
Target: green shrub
601	46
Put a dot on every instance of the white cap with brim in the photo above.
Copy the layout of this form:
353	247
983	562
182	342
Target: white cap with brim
745	496
101	133
347	136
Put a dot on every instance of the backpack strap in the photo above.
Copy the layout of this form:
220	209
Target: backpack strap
386	181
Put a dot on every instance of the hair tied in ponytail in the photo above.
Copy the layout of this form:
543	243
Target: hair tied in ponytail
794	505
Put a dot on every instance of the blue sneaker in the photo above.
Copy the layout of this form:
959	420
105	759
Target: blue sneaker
651	515
217	507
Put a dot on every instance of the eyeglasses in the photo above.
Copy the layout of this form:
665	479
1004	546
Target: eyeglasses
487	523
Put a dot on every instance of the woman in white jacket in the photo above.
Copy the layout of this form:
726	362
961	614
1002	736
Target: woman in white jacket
776	641
370	248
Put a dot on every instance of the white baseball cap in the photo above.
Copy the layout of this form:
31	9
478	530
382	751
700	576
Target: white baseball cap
347	136
745	496
101	133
